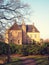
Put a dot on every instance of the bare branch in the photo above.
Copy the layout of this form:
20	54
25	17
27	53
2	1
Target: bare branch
10	10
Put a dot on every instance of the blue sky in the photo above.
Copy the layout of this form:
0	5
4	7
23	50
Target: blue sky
40	16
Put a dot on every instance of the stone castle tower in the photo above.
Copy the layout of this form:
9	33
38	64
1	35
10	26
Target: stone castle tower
23	32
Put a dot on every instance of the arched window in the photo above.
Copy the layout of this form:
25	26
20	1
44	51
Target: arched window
18	41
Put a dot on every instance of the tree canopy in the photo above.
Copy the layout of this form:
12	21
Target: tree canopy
9	10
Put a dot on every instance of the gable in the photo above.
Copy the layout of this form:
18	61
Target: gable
29	28
15	27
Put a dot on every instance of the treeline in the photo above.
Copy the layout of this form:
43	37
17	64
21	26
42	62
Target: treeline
30	49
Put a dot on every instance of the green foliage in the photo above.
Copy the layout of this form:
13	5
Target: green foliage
19	49
30	49
3	48
15	48
12	48
36	49
25	49
45	48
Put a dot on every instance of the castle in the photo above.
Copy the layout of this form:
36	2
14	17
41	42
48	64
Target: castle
22	34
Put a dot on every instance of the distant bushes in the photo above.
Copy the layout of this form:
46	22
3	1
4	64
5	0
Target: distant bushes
3	48
30	49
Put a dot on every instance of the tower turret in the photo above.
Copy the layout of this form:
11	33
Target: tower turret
24	32
23	26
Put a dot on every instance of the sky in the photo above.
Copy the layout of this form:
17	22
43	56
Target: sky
40	16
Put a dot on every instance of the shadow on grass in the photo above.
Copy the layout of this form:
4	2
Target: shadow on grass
42	61
26	61
14	63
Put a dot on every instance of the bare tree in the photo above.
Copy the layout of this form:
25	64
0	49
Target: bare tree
9	10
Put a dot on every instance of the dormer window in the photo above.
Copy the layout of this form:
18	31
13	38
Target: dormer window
33	30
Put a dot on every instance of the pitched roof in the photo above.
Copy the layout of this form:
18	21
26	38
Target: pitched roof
15	27
29	28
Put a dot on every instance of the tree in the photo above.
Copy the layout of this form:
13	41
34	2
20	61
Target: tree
9	10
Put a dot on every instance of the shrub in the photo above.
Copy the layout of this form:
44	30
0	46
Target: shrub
30	49
3	48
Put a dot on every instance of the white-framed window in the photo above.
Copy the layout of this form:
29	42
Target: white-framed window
35	35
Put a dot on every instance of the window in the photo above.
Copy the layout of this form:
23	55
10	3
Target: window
11	41
33	30
31	35
10	33
18	41
19	34
35	35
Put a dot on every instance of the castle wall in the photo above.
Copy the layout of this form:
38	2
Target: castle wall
14	36
33	36
6	37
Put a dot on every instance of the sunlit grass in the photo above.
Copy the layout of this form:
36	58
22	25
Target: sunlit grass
36	56
14	61
39	59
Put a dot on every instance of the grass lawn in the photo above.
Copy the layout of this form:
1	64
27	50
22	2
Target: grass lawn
14	61
40	60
